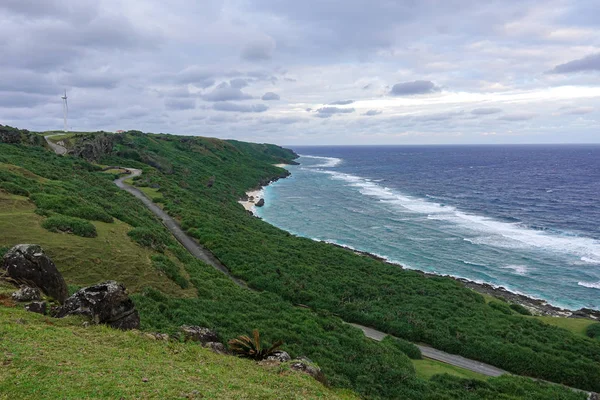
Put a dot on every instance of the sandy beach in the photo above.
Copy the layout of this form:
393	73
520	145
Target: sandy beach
254	196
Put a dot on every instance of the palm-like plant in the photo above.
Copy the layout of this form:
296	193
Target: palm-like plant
247	347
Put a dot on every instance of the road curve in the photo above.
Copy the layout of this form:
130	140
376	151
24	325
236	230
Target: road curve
438	355
58	149
190	244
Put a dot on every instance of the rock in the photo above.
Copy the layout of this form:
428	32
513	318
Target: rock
305	365
94	147
211	182
28	265
157	336
260	203
106	303
216	347
39	307
26	293
280	355
198	334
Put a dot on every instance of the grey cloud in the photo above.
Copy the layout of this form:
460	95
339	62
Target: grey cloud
180	104
238	83
92	79
271	96
197	76
413	88
259	50
485	111
341	102
28	82
372	113
522	116
589	63
17	100
224	92
283	120
254	108
580	111
326	112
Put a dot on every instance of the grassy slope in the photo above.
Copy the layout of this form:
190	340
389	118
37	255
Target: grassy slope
51	359
427	368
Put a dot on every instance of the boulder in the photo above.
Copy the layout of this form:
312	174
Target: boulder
280	355
26	293
198	334
305	365
26	264
39	307
216	347
260	203
105	303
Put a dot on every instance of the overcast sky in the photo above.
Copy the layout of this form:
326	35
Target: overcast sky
307	72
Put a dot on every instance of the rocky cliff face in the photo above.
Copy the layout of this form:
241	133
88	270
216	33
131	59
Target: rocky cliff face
93	147
16	136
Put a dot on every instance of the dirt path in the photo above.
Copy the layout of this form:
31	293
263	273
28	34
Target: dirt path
58	149
189	243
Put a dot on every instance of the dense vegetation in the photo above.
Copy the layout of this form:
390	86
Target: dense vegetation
290	270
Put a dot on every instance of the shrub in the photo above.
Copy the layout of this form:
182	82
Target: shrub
91	213
246	347
164	264
408	348
147	238
503	308
520	309
76	226
14	189
593	331
3	251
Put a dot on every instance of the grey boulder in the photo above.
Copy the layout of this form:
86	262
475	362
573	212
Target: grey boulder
39	307
26	264
105	303
280	355
198	334
26	293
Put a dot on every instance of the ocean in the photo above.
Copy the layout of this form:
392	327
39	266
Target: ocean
526	217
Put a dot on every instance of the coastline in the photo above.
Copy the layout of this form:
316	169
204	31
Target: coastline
537	307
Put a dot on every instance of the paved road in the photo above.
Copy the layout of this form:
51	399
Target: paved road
58	149
189	243
439	355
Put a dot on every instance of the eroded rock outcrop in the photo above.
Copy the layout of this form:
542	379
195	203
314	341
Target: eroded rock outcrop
305	365
198	334
106	303
26	264
26	293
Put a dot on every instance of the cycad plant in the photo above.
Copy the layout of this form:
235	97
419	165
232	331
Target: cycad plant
247	347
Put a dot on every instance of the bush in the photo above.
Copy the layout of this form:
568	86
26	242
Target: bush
3	251
503	308
593	331
164	264
76	226
14	189
147	238
91	213
408	348
520	309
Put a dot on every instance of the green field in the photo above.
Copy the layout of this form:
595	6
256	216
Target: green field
426	368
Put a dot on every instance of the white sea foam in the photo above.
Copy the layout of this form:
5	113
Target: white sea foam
590	260
485	231
591	285
518	269
329	162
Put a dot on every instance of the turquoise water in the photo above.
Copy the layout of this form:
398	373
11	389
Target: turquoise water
452	227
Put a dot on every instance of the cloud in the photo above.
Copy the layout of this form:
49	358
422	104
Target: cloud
580	111
17	100
282	120
195	75
232	107
485	111
326	112
589	63
413	88
238	83
271	96
521	116
224	92
372	113
259	50
341	102
180	104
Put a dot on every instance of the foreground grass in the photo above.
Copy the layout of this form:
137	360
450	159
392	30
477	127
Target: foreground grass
577	326
50	359
427	368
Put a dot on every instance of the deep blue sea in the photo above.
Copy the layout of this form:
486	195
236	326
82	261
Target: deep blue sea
523	217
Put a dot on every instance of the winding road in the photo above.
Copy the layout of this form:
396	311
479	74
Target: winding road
207	257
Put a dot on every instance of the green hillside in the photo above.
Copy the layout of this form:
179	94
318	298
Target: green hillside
171	288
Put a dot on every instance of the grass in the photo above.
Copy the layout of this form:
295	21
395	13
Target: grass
426	368
85	261
115	171
51	359
152	193
577	326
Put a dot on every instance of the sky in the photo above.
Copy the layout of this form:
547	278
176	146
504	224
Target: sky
295	72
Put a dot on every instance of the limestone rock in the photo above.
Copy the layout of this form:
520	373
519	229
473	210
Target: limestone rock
280	355
305	365
27	264
26	293
105	303
216	347
39	307
260	203
198	334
